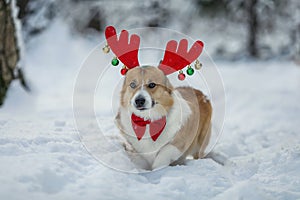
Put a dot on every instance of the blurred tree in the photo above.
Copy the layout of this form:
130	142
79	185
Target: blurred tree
37	15
9	50
252	27
84	16
293	13
246	12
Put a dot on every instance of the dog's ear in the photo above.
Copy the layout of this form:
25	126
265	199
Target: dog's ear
123	90
168	84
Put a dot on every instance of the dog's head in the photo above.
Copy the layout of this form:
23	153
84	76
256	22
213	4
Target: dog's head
147	92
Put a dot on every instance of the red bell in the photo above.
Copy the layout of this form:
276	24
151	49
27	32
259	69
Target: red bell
181	76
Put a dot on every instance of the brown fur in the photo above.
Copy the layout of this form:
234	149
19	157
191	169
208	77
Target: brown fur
161	93
193	137
199	123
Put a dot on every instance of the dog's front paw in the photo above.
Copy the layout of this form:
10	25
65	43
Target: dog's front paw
128	147
166	156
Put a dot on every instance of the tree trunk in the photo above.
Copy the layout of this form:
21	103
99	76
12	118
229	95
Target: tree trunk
9	50
252	27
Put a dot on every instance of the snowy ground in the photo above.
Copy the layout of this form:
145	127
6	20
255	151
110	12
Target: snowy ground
41	156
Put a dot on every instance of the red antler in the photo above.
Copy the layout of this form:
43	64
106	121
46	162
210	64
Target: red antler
125	50
177	58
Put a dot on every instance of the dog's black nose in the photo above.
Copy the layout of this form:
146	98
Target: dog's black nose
140	101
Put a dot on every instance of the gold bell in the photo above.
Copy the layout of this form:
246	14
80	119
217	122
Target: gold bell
198	65
106	49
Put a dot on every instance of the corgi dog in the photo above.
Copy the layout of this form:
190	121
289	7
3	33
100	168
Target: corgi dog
162	125
148	95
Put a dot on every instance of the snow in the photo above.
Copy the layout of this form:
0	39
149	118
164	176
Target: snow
42	156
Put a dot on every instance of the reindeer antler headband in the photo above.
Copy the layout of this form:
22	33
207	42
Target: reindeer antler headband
176	56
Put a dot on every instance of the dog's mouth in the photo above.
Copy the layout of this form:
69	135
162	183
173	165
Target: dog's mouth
141	108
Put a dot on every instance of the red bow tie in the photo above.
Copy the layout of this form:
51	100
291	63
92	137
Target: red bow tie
139	126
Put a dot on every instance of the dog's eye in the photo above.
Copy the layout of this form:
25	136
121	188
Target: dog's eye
151	85
132	84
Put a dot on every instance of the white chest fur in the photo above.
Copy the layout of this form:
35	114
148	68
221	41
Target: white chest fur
148	148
